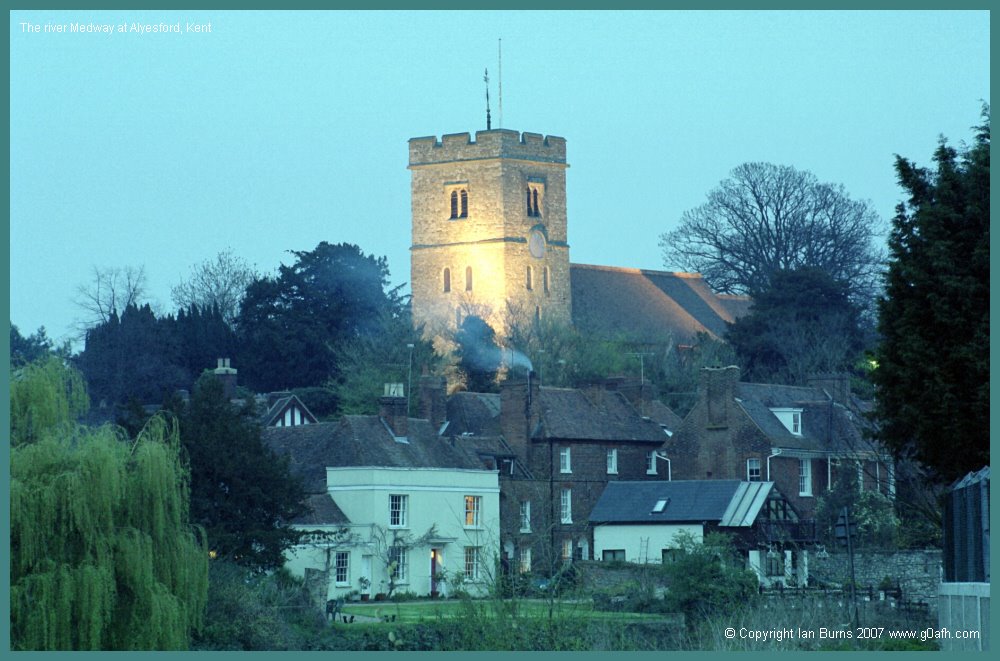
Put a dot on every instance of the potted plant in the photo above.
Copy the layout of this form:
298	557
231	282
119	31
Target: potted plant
364	583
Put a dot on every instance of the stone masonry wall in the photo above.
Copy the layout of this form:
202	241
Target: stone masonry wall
917	573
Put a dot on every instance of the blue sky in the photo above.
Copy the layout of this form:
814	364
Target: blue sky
280	130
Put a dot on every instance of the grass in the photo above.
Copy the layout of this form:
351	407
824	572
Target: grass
415	611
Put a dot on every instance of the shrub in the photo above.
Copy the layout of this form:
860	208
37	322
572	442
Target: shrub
708	578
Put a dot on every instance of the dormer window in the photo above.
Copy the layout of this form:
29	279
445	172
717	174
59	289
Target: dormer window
790	418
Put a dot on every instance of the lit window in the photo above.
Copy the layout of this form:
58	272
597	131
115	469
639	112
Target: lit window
468	278
566	506
612	461
525	516
473	504
753	470
447	280
472	563
397	563
564	461
567	550
805	477
397	511
340	567
650	463
525	564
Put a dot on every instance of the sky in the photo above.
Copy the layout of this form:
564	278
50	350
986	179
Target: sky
278	130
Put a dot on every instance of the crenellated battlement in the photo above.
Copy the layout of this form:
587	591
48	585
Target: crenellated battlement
496	143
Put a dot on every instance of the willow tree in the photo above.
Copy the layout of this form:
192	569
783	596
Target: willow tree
102	554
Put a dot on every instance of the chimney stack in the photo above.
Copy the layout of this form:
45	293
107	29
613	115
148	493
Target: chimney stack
392	408
227	375
519	408
717	388
433	399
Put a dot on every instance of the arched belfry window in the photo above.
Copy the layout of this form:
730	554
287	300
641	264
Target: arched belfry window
447	280
468	278
464	194
454	204
534	193
528	283
545	279
458	200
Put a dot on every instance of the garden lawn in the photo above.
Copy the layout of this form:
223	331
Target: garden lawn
415	611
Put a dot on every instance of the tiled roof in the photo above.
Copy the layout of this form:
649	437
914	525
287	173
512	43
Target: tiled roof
323	511
473	413
595	415
363	440
649	305
687	501
826	426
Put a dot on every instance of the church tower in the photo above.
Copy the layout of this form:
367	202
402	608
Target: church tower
489	228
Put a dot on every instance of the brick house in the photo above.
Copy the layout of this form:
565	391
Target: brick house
800	438
556	449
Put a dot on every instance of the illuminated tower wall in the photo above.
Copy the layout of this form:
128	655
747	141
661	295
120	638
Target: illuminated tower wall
489	228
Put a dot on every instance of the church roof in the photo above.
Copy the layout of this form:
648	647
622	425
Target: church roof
651	306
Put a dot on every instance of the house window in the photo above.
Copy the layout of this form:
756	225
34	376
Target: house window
567	550
525	564
473	504
340	567
650	463
527	282
613	555
669	555
525	516
805	477
447	281
397	563
774	564
564	461
582	550
612	461
397	511
796	423
660	505
566	506
468	278
753	470
472	563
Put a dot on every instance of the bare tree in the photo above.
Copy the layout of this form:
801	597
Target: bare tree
111	290
221	282
766	218
391	547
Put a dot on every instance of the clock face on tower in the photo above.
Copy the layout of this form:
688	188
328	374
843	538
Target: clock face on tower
536	244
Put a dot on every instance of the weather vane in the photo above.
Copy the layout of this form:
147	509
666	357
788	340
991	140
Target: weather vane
486	79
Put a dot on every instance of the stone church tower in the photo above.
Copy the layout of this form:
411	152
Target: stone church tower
489	228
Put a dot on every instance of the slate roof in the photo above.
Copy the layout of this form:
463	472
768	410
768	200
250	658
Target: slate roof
661	414
650	305
363	440
595	415
689	501
323	511
473	413
826	426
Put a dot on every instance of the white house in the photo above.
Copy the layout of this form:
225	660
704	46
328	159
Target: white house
393	503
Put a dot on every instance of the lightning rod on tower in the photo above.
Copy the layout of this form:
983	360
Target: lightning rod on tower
500	82
486	79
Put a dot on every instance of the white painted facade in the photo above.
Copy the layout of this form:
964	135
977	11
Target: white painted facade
641	543
420	498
